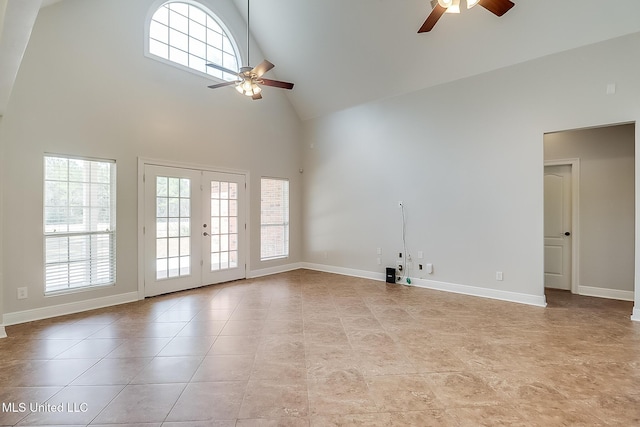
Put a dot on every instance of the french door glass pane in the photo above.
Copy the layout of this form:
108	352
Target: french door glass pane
224	225
173	227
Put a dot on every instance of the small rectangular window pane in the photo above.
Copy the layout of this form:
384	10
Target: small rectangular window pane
197	48
159	32
214	39
197	15
197	63
185	248
185	227
162	207
56	169
181	8
162	248
179	56
215	56
57	193
159	49
197	31
185	266
174	207
174	227
161	227
78	170
162	186
162	15
215	261
178	40
227	47
229	61
185	187
185	207
179	22
161	268
212	24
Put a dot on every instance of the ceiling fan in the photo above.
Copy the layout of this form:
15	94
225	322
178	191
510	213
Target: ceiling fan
497	7
249	79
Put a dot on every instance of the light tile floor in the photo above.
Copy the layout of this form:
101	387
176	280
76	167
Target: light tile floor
314	349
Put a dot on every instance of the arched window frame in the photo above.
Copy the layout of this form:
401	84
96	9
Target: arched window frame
210	73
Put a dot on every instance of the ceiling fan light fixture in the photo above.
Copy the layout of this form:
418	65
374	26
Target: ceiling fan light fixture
454	6
471	3
248	88
445	3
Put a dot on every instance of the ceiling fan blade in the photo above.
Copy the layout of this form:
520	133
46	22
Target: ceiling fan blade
432	19
497	7
221	68
256	96
262	68
276	83
222	84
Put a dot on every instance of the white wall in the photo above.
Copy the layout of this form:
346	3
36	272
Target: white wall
467	160
85	88
607	201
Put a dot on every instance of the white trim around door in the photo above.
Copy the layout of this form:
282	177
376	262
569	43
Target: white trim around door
575	217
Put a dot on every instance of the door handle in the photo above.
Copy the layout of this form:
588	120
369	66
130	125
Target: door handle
567	233
205	234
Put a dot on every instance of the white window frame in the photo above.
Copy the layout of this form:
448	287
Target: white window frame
284	224
94	276
216	17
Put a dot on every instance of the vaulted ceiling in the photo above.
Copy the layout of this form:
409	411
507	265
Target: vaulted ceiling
341	53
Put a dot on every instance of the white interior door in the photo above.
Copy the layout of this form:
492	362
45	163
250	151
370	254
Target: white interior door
194	228
557	227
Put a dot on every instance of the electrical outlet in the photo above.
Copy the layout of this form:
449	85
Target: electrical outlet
499	275
379	261
419	266
420	254
379	251
23	293
430	268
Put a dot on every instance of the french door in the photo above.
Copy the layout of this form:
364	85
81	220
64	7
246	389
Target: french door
194	228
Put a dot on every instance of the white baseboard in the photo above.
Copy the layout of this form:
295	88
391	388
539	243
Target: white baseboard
539	301
591	291
274	270
636	314
3	333
68	308
535	300
344	271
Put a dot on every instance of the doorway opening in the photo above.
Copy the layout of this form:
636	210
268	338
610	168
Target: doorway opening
589	196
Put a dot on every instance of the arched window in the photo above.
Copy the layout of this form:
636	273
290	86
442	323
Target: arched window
186	33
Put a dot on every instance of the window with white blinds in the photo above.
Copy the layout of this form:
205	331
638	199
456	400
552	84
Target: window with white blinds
274	218
79	223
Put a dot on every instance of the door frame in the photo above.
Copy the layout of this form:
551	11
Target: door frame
145	161
575	216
